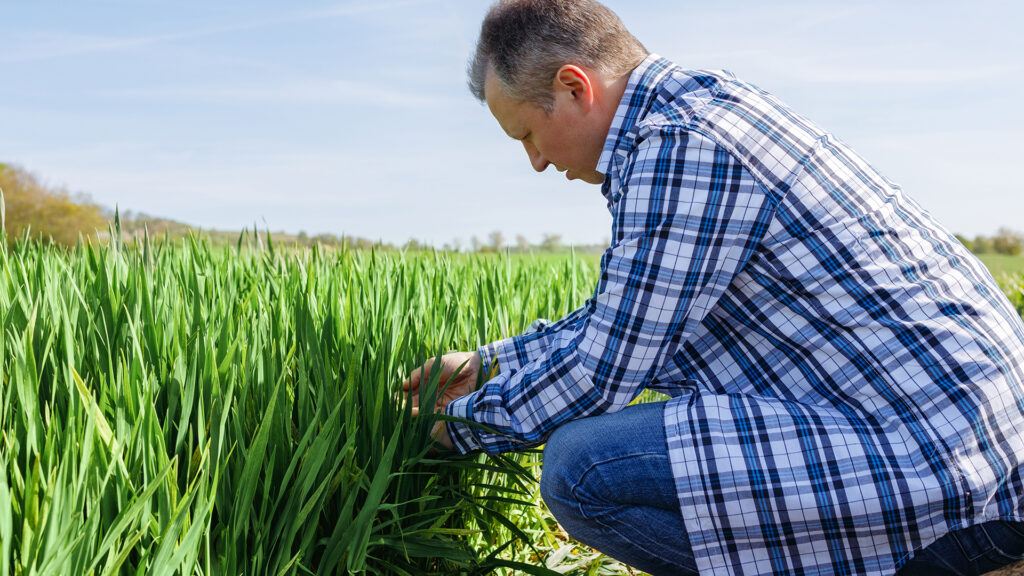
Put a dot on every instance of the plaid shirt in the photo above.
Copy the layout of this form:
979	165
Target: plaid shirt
846	379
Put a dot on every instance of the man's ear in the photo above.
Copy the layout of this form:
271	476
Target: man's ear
573	81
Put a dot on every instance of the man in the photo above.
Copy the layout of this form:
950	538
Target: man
846	380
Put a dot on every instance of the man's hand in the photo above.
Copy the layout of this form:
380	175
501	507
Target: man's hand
440	433
463	383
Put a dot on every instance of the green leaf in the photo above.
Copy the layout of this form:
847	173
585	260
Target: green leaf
6	518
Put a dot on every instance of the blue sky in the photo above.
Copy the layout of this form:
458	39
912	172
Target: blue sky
353	117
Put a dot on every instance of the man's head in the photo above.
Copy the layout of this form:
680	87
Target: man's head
525	42
552	72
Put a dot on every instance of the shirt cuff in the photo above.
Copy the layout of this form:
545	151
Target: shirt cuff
462	435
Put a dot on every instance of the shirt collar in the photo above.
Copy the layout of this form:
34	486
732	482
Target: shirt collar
635	101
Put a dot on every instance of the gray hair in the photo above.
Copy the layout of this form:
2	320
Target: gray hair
525	42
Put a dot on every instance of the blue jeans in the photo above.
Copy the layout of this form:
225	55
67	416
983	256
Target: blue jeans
608	481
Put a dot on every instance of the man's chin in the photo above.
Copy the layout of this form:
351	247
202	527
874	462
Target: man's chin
588	177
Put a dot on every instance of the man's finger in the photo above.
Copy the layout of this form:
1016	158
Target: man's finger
413	381
414	402
441	435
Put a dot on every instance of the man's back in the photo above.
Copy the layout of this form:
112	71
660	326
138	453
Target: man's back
851	374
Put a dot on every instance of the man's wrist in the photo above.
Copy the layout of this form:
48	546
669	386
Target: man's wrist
489	358
488	369
442	436
463	437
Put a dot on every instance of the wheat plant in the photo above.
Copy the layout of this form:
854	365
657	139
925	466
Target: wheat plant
174	408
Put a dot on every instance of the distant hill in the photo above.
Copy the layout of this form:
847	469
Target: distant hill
53	213
32	208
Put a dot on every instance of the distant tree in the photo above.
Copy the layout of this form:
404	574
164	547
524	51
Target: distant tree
326	239
522	243
963	240
497	240
981	245
302	239
357	243
47	212
551	242
1007	242
474	244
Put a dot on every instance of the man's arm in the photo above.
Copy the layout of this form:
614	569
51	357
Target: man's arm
688	219
513	353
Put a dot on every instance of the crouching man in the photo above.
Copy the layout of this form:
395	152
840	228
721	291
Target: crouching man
846	380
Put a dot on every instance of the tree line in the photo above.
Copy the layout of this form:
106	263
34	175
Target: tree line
1006	241
32	208
55	214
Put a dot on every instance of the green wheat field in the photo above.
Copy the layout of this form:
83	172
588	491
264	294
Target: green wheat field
179	408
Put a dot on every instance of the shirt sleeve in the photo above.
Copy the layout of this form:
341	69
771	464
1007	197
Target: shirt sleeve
686	221
513	353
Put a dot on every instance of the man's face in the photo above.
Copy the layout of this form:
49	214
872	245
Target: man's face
565	137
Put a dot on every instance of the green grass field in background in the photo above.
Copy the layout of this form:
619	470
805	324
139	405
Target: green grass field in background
190	409
1002	264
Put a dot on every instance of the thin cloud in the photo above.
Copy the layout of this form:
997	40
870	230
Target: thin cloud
352	8
303	92
909	76
49	46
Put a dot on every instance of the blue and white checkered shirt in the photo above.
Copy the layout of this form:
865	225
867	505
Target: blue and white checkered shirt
846	378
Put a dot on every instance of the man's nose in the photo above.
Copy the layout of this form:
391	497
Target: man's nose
540	163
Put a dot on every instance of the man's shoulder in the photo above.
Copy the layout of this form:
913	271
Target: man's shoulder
715	106
688	98
685	104
664	97
679	95
712	108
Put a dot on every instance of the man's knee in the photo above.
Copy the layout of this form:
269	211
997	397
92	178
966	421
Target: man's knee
574	448
563	453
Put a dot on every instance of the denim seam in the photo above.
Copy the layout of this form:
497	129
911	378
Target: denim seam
1019	529
584	514
639	546
973	557
945	563
594	465
993	547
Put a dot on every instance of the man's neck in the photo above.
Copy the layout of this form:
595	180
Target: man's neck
609	97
